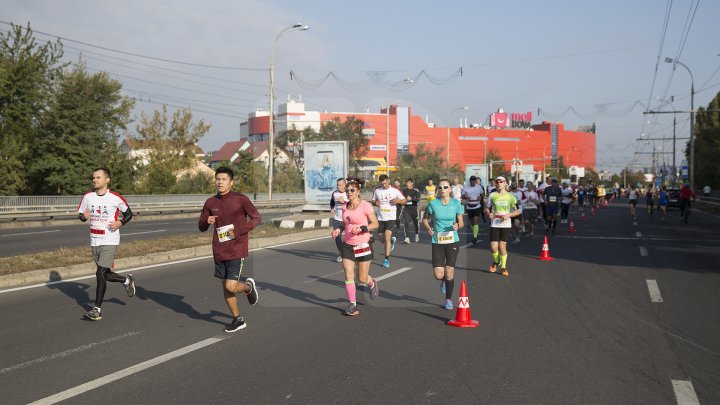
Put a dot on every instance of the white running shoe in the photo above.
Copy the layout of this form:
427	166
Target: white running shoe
339	259
407	240
417	238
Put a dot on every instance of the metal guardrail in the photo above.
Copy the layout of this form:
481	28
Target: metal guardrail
140	206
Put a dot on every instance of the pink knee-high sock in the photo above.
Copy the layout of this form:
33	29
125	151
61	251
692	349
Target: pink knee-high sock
350	288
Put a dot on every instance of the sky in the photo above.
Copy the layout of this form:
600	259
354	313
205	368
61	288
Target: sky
572	61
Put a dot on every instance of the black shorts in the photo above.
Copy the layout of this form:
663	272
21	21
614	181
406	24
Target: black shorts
474	212
633	202
229	269
386	226
445	255
551	210
499	234
347	252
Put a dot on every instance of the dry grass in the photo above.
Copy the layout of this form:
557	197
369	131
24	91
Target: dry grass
78	255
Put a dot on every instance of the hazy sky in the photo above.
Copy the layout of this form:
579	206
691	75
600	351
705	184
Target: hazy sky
598	57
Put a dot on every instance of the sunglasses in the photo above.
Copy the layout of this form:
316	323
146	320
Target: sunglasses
351	190
499	181
444	187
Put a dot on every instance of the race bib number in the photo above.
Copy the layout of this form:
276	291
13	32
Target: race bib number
362	249
552	198
387	210
223	233
445	237
502	222
338	211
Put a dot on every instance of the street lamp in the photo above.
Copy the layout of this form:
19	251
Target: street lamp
568	159
672	98
406	80
447	162
271	96
692	119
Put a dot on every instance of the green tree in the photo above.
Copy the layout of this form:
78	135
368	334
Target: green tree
287	179
349	130
498	169
424	164
79	132
291	143
198	183
707	145
26	82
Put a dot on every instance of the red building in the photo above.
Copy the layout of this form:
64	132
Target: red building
536	144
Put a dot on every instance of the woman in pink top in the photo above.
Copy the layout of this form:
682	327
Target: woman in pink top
359	220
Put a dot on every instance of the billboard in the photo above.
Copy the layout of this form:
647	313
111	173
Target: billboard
325	162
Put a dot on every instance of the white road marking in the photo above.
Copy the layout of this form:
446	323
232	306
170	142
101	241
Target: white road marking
638	234
99	382
654	291
657	238
643	251
685	393
393	273
140	233
65	353
192	259
466	245
29	233
635	223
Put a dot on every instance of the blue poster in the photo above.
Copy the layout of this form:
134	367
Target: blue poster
325	162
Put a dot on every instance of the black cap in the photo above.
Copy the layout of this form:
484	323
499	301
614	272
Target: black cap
473	178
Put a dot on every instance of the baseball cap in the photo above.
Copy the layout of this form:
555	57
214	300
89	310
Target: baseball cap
501	178
473	178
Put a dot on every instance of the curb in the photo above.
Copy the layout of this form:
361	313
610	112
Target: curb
302	223
85	269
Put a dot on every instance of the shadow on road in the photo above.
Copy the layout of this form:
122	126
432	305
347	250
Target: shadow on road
301	295
175	302
77	291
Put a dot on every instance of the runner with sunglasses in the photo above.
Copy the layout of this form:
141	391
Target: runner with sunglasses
500	211
447	216
359	221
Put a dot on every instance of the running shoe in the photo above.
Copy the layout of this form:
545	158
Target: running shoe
93	314
474	240
252	295
386	263
392	243
448	304
130	288
504	272
417	238
516	240
339	259
407	240
374	290
237	324
351	310
493	267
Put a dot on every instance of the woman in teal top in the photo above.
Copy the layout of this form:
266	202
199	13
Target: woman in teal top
447	216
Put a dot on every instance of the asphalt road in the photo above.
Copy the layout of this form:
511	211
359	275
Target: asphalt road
22	240
582	329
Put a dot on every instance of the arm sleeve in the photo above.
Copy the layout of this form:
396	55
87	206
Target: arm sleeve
332	201
127	216
203	221
246	226
82	207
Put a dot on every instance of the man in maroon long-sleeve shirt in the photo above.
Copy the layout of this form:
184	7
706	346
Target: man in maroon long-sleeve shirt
233	216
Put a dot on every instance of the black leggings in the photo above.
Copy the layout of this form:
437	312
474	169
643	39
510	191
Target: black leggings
410	216
103	275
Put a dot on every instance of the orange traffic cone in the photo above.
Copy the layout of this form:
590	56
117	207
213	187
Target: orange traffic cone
582	217
572	227
545	254
462	317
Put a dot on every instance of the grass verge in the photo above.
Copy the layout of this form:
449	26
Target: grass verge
78	255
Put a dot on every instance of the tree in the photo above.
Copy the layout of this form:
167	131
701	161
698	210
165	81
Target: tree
170	144
79	132
26	81
497	169
349	130
197	183
424	164
291	143
707	145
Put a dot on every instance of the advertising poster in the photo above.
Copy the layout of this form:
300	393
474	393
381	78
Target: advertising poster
325	162
479	170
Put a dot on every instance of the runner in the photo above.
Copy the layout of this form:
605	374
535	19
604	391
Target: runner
387	198
567	197
398	217
457	189
473	196
447	216
663	202
650	200
541	192
359	221
517	223
530	210
553	196
338	198
633	196
686	194
581	198
430	191
229	211
101	207
499	210
410	210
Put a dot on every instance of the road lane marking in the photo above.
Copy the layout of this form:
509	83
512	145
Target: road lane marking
643	251
99	382
635	223
150	266
638	234
393	273
65	353
466	245
29	233
685	393
140	233
654	291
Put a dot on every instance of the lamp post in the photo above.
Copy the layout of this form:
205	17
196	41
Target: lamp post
672	98
545	156
271	96
387	125
568	159
692	119
447	162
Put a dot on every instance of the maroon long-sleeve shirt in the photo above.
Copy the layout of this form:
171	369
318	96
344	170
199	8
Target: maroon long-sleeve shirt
230	208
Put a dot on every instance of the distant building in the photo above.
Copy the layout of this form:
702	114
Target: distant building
230	151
